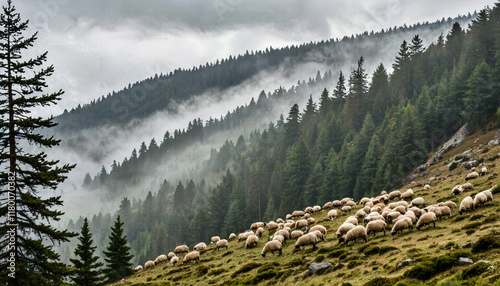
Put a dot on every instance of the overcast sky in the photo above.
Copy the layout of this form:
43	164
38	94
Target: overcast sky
101	46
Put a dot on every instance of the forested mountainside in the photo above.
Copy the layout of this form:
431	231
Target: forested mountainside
364	136
165	91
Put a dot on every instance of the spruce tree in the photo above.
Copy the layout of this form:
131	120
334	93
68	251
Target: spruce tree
86	267
27	256
117	254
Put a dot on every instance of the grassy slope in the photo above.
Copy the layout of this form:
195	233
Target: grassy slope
216	267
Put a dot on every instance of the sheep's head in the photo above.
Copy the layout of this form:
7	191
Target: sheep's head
342	239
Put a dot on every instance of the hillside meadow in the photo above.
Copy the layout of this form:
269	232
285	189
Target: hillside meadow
434	251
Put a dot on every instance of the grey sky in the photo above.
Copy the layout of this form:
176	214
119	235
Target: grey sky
101	46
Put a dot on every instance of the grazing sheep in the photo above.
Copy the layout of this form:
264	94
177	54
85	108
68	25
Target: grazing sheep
318	234
479	199
456	190
369	204
345	209
245	235
393	215
472	176
272	246
170	255
301	223
408	195
214	239
318	227
351	204
285	233
221	243
138	268
296	234
400	225
483	171
466	205
288	216
181	249
426	219
376	208
279	238
383	192
256	225
160	259
445	211
376	225
449	204
297	214
328	205
280	220
336	203
418	212
149	264
488	194
411	214
311	220
232	236
308	210
200	246
436	210
367	208
307	239
354	234
394	195
259	232
427	187
345	200
467	187
400	209
316	209
364	200
372	217
174	260
289	224
306	216
193	255
332	214
344	228
272	225
360	214
352	219
251	241
418	202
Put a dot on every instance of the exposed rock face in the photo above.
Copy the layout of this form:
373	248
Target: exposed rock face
318	268
454	141
464	261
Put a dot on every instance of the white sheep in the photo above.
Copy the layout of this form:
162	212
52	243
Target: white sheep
394	195
181	249
245	235
174	260
272	246
308	210
318	234
297	214
301	223
200	246
364	200
360	213
427	187
311	221
170	255
138	268
467	187
307	239
344	228
214	239
445	211
160	259
272	225
449	204
354	234
483	171
316	209
351	219
193	255
418	202
332	214
280	220
221	243
466	205
376	226
456	190
407	195
351	204
346	209
149	264
479	199
296	234
488	194
252	241
279	238
337	204
284	232
259	232
436	210
472	176
372	217
328	205
426	219
400	225
393	215
256	225
232	236
318	227
306	215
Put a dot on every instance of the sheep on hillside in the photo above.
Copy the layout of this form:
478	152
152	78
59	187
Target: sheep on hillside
307	239
181	249
332	214
252	241
427	219
479	199
200	246
272	246
376	226
193	255
472	176
354	234
221	243
466	205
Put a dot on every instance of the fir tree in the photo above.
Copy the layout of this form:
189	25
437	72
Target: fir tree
86	267
117	254
22	83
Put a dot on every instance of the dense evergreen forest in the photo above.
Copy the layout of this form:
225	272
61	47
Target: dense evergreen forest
366	135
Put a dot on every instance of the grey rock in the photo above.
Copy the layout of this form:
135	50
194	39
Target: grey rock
404	263
471	164
464	261
483	261
467	245
318	268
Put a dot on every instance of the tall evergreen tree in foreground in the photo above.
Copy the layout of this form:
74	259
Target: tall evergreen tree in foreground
117	254
27	256
86	267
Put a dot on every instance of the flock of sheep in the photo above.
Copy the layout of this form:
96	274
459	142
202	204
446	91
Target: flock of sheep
376	213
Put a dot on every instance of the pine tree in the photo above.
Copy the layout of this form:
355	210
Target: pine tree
292	127
117	254
87	270
27	215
